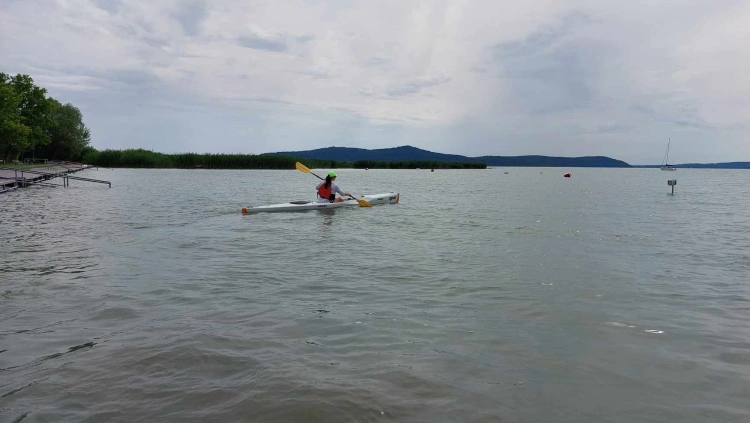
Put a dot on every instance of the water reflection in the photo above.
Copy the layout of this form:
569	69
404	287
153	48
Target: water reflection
327	215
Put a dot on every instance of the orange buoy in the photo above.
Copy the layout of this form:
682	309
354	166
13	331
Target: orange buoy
244	210
567	175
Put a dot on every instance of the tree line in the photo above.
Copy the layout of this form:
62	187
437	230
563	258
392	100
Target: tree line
33	124
140	158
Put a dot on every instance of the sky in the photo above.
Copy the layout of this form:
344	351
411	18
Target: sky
503	77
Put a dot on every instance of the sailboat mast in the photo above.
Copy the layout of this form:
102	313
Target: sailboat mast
665	165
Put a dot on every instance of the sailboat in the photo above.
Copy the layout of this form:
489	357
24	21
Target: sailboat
665	164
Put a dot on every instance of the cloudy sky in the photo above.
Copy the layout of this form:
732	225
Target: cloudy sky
552	77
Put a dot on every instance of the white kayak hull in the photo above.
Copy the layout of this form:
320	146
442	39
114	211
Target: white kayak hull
375	199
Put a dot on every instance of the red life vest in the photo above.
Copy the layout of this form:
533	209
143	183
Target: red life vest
324	192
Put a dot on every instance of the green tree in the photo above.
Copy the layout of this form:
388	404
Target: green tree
67	134
13	134
23	127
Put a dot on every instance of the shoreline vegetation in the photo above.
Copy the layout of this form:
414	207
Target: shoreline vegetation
147	159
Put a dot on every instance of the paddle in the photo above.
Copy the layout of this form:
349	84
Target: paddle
304	169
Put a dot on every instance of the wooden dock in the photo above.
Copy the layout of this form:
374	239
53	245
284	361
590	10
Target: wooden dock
12	178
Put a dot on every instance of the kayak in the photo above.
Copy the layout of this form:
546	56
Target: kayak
388	198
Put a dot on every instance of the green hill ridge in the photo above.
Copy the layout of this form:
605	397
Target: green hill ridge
409	153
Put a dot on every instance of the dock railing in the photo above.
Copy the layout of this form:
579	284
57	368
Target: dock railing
45	176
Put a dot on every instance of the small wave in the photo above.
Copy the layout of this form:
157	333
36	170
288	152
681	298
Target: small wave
116	313
616	324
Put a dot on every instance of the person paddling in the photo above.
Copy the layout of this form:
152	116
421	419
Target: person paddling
327	190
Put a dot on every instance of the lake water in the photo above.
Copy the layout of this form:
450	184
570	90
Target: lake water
481	297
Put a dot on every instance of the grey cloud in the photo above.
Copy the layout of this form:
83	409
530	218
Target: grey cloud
261	99
274	42
689	116
140	30
317	72
613	128
416	85
132	77
689	123
265	43
111	6
375	62
367	91
546	71
154	41
542	39
112	79
190	15
643	109
305	38
478	69
683	115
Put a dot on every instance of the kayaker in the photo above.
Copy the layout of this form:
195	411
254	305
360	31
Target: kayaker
327	190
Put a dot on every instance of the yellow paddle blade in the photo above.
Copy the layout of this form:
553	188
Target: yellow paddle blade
302	168
363	203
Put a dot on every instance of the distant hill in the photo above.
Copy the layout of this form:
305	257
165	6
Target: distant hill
404	153
409	153
728	165
546	161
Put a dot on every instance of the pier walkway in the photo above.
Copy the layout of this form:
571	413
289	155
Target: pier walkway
12	178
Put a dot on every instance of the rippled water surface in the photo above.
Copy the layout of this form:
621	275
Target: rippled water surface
482	297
